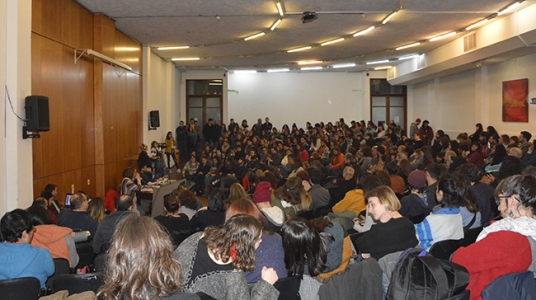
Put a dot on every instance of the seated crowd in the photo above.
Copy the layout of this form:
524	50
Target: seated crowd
307	203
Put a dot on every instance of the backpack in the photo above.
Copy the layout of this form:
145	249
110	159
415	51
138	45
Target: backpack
419	275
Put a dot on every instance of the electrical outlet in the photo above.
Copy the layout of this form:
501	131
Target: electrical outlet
72	188
88	182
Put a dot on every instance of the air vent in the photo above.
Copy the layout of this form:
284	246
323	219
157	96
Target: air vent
469	42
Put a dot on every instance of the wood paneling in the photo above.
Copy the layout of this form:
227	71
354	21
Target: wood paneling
95	109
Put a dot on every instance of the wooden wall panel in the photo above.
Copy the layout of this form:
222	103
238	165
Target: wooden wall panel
85	33
70	113
47	18
70	25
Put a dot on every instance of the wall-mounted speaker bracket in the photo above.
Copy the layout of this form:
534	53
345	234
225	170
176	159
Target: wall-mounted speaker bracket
29	135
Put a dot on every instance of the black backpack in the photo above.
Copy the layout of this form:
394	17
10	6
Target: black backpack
418	275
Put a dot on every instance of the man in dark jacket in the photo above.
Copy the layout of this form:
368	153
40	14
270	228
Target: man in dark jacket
106	228
182	141
208	131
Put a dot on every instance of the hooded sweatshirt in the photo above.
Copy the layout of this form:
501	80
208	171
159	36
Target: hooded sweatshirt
54	238
275	217
25	260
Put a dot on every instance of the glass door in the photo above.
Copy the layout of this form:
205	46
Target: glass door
204	100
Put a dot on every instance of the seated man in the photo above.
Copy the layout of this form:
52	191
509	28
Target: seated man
78	217
106	228
17	257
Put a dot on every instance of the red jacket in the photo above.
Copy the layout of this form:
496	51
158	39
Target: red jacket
337	161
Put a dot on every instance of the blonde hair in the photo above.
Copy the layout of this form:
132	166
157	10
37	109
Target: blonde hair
96	209
348	173
237	191
386	196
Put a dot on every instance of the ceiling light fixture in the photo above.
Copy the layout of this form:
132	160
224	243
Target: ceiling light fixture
275	24
309	62
383	68
184	58
440	37
508	8
277	70
254	36
377	62
173	48
280	8
299	49
389	17
408	46
343	66
332	42
364	31
477	24
311	68
214	83
245	71
408	57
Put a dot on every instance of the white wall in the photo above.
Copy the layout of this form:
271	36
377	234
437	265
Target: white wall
456	103
288	98
159	80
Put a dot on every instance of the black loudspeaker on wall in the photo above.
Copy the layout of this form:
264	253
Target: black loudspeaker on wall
37	118
154	119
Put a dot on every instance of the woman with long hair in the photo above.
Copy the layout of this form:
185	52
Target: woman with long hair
236	192
291	197
170	146
140	263
214	261
96	209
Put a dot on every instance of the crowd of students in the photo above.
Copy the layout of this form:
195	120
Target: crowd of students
310	203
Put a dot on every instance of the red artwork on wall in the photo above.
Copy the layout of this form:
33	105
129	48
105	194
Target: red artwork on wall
515	105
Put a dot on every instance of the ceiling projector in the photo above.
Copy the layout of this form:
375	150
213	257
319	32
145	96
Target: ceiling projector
308	17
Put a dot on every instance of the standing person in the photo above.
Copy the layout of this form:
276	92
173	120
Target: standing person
214	261
182	140
192	139
426	132
414	128
208	132
170	145
17	257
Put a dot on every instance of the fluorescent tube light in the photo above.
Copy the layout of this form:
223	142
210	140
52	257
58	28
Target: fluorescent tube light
254	36
311	68
408	46
173	48
343	66
215	83
280	8
275	24
377	62
389	17
309	62
184	58
364	31
408	57
277	70
477	24
245	71
332	42
382	68
440	37
508	8
299	49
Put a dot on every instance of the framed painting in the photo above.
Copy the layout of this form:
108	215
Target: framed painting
515	106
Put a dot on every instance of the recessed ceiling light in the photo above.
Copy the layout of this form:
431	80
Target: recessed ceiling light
184	58
343	66
408	57
477	24
389	17
383	68
277	70
377	62
332	42
280	8
311	68
408	46
275	24
440	37
299	49
508	8
364	31
173	48
245	71
254	36
309	62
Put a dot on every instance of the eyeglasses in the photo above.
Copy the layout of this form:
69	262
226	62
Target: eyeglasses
498	199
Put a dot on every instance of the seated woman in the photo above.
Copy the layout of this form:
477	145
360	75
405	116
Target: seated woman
177	225
392	232
445	223
214	262
270	252
507	245
58	240
275	217
188	203
140	263
292	197
213	215
17	257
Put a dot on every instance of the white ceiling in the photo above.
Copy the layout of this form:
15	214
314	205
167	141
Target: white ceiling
218	41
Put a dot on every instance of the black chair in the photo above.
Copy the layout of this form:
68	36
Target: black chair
289	288
444	249
77	283
62	267
470	236
21	288
99	263
85	253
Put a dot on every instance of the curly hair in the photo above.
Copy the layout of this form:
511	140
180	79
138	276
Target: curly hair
187	199
14	223
140	262
240	232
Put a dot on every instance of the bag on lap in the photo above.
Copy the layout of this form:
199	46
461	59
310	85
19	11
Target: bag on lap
418	275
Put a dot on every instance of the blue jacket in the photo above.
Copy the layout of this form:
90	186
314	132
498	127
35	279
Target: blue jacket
25	260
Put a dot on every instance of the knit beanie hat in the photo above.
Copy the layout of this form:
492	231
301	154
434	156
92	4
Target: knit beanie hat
262	192
417	179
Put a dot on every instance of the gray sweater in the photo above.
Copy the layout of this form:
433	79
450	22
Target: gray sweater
229	285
